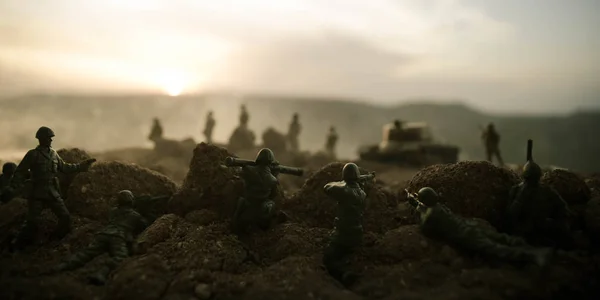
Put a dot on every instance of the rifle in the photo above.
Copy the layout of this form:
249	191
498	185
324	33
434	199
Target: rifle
275	166
529	150
366	177
413	198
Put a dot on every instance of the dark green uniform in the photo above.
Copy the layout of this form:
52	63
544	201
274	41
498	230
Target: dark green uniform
116	238
209	127
348	230
294	133
438	222
332	139
8	171
42	164
491	141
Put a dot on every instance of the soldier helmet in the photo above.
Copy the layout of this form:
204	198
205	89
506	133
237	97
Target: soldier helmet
397	123
9	168
295	115
428	196
44	132
265	157
491	125
125	198
532	172
350	172
332	128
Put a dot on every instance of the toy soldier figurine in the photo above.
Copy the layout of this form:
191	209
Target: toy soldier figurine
244	116
332	139
8	170
537	212
208	127
260	189
157	130
44	164
491	141
438	222
116	238
348	231
294	133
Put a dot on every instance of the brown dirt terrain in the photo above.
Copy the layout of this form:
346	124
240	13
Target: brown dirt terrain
189	253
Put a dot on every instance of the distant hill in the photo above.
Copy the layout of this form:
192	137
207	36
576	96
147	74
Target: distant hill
105	122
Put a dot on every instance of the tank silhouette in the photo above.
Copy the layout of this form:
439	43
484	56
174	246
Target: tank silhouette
409	144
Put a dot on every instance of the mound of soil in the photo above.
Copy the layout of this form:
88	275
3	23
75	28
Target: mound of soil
12	215
312	207
593	183
473	189
570	186
274	140
208	184
592	217
91	194
158	232
72	156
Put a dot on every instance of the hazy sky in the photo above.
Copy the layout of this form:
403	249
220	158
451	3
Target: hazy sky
499	55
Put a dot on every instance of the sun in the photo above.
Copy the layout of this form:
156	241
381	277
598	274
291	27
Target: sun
173	90
172	83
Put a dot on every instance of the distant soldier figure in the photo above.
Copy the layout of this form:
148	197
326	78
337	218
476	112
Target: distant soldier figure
116	239
537	212
294	133
157	130
209	126
244	116
348	231
8	170
43	165
257	206
491	141
438	222
331	142
395	133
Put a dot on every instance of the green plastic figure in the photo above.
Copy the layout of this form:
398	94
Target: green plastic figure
438	222
43	165
156	132
8	170
294	133
491	141
244	116
260	189
537	212
332	140
348	230
209	127
116	239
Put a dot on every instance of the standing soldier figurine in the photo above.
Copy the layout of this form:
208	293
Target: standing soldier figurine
331	142
244	116
439	223
348	231
208	127
116	239
44	164
491	141
8	170
294	133
537	212
157	131
260	189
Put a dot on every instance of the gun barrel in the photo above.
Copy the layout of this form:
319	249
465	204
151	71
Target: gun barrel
529	150
238	162
290	170
366	177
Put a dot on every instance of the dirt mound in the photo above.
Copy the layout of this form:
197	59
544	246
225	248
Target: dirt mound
208	183
158	232
202	217
72	156
91	193
570	186
312	207
473	189
405	243
592	216
140	278
274	140
593	183
12	215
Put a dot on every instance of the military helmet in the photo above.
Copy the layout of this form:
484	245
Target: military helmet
44	132
265	156
295	115
125	198
9	168
532	171
350	172
428	196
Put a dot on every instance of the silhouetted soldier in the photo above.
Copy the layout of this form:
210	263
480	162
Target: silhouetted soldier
157	130
44	164
8	170
294	133
244	116
491	141
331	142
209	126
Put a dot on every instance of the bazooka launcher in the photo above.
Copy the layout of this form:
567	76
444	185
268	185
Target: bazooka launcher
238	162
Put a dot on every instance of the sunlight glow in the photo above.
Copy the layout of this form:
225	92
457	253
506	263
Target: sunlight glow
172	83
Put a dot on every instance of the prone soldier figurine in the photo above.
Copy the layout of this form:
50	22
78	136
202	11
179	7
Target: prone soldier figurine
491	141
209	126
43	165
116	238
348	231
260	188
438	222
537	212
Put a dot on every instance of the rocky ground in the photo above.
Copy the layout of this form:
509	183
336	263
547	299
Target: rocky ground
189	252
